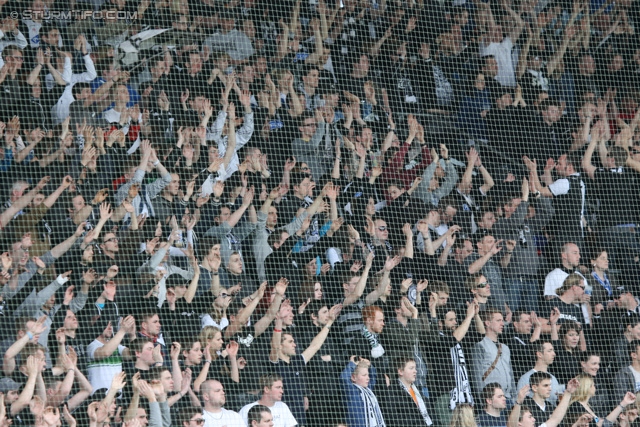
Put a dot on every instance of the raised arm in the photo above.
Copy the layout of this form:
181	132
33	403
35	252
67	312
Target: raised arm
246	202
319	339
472	311
362	284
296	106
204	373
534	178
9	361
127	327
242	319
65	388
558	414
53	197
450	179
518	22
62	248
262	324
383	281
231	137
314	57
477	265
522	59
486	177
24	399
467	177
276	340
557	57
193	286
8	214
138	176
587	166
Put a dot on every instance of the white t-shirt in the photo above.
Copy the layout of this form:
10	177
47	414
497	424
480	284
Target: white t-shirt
636	376
559	187
555	279
506	67
223	418
101	372
207	320
282	416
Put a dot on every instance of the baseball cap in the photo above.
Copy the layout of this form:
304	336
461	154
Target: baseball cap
7	384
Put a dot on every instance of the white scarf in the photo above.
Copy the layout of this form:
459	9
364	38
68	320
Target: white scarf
462	392
372	413
421	405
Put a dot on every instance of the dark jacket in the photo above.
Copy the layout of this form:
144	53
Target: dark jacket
623	382
398	407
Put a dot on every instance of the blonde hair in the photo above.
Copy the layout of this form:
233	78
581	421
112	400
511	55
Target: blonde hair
360	366
572	280
217	313
207	334
463	416
582	393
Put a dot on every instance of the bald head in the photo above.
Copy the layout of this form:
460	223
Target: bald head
213	394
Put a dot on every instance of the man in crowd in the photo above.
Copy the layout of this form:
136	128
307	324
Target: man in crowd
545	356
495	403
492	359
213	400
86	292
272	391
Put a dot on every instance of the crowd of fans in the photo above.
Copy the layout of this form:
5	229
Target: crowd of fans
368	213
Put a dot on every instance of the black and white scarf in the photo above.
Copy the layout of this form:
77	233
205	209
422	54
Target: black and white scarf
372	413
421	406
462	392
376	348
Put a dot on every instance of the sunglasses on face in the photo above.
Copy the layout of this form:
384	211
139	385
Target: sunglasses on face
383	228
482	285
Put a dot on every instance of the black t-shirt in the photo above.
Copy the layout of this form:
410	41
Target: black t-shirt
441	377
522	355
185	320
566	365
454	274
321	376
568	312
130	369
540	415
505	137
288	208
532	83
618	203
24	418
292	374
